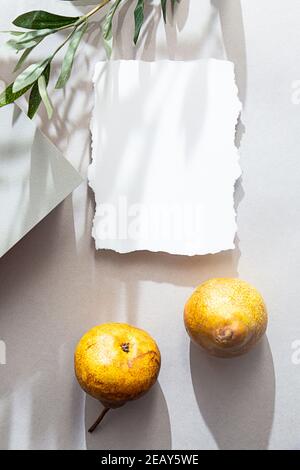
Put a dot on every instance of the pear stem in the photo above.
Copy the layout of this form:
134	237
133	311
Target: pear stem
99	419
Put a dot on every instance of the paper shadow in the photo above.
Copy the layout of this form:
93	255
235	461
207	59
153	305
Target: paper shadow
141	424
236	396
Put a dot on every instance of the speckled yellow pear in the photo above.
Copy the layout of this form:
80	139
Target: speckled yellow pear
116	363
225	316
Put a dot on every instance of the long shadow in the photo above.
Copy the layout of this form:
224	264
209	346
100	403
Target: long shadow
236	396
41	320
141	424
231	19
232	25
130	270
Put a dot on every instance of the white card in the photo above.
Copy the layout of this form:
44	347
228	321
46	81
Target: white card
164	161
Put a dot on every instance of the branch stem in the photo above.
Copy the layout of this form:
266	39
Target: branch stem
97	8
64	42
81	20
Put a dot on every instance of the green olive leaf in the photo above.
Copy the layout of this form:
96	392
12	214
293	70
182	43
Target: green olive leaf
8	96
107	27
20	46
39	19
68	61
23	57
30	75
44	95
13	33
28	40
26	36
138	19
108	45
164	9
40	24
35	97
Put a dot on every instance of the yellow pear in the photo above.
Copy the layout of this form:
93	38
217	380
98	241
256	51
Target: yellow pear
225	316
116	363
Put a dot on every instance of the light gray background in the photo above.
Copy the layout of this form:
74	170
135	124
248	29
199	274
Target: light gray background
54	286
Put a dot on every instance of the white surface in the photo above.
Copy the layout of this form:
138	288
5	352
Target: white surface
164	161
54	286
35	177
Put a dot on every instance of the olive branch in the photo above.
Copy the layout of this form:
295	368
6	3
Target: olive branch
41	24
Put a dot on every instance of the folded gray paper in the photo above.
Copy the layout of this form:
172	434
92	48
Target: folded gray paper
34	176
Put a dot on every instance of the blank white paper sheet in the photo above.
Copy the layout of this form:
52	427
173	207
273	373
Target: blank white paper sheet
164	160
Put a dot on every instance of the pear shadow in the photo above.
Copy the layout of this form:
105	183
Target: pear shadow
236	396
139	425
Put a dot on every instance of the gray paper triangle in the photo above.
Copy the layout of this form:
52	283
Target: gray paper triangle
34	176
